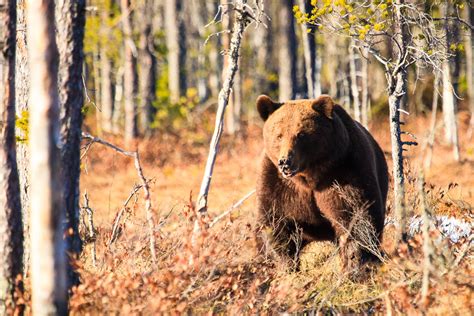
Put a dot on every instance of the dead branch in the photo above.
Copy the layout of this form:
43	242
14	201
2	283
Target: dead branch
90	225
118	217
230	209
144	185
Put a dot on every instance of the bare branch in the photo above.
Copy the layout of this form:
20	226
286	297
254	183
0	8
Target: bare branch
230	209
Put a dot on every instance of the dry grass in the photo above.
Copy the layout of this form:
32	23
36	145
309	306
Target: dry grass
226	275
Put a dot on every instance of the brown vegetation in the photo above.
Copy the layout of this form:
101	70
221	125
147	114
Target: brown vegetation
226	275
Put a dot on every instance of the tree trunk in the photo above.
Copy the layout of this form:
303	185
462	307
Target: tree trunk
287	82
397	89
449	100
354	85
106	98
365	90
130	74
117	115
71	17
148	68
11	240
214	60
48	269
22	91
97	89
199	16
470	66
232	122
262	44
310	55
176	50
224	95
432	132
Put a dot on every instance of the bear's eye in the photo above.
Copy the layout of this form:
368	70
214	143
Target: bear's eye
279	136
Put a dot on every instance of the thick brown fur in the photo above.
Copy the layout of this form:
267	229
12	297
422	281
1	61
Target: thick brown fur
310	147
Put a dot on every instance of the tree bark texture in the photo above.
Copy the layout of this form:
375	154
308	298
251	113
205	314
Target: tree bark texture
354	84
148	68
71	23
176	50
397	89
48	269
470	66
310	52
106	98
287	82
11	230
232	122
449	99
130	74
22	91
224	95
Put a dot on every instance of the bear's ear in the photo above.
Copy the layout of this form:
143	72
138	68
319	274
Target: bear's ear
266	106
324	105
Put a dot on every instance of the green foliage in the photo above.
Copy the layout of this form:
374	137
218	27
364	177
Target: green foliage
355	18
104	33
22	123
172	115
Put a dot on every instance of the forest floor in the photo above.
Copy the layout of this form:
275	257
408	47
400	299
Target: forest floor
221	272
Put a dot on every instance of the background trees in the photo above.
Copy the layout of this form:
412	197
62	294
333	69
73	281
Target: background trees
151	71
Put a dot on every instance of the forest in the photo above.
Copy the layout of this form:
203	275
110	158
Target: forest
143	167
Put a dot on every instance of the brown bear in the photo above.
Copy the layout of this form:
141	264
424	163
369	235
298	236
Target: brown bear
319	168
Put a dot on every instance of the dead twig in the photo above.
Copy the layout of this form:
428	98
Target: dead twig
144	185
90	225
118	217
230	209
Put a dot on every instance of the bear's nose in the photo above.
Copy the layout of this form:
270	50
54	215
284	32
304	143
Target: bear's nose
285	161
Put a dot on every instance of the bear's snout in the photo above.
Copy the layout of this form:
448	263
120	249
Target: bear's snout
286	165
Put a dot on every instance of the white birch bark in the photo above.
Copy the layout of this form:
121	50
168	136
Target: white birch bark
354	85
223	100
48	270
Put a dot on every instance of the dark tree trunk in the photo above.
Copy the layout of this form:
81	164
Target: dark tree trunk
11	241
287	81
71	18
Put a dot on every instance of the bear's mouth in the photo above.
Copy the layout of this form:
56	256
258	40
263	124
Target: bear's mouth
287	172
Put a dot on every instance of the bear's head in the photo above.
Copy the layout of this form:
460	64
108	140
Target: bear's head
302	135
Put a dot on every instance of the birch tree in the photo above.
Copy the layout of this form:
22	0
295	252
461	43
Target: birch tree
176	49
130	73
233	114
312	69
48	271
287	83
106	98
148	67
470	64
11	237
71	22
449	99
243	16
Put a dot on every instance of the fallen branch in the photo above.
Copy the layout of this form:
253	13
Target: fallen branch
144	185
230	209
